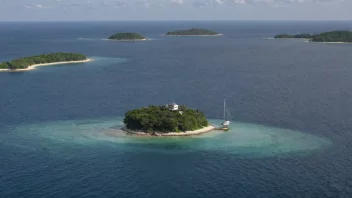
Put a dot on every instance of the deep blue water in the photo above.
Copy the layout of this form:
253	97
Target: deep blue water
288	92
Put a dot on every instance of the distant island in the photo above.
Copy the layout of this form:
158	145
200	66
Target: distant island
168	120
128	36
325	37
193	32
31	62
304	36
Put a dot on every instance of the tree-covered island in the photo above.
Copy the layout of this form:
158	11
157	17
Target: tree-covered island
127	36
302	36
192	32
60	57
328	37
165	119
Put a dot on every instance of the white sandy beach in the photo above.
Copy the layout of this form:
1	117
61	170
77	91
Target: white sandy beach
308	41
45	64
333	42
186	133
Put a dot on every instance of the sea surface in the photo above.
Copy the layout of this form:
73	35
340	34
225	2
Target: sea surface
290	104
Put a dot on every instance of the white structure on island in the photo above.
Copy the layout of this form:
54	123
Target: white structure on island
173	106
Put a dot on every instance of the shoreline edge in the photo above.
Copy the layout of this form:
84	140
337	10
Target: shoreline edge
32	67
185	133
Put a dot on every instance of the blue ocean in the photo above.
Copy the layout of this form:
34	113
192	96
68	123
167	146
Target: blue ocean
290	103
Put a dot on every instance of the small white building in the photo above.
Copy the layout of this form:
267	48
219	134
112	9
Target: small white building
173	107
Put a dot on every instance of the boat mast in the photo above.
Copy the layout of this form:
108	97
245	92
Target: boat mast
224	109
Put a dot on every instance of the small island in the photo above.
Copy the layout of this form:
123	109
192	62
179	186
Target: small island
128	36
193	32
28	63
301	36
325	37
166	120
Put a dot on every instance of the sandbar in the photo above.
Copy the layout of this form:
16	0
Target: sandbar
45	64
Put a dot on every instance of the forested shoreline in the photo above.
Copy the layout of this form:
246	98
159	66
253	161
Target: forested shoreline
328	37
126	36
192	32
24	63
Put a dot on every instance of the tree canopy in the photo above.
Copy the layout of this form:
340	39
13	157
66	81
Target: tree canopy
304	36
24	63
126	36
161	119
191	32
334	36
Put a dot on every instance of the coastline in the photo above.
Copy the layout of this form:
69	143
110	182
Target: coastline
309	41
289	38
32	67
329	42
193	35
130	40
186	133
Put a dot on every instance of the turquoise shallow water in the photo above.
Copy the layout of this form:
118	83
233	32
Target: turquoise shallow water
244	139
97	62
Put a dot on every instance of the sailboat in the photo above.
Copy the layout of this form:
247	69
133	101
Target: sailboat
225	124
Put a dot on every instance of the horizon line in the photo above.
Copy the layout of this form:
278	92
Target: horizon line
184	20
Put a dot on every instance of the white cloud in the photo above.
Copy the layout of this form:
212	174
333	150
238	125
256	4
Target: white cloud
281	2
240	1
28	6
143	3
201	4
147	5
38	6
98	4
119	4
219	1
177	1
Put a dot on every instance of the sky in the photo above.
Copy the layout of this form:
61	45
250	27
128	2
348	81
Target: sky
87	10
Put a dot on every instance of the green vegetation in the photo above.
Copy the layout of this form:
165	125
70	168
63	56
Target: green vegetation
303	36
24	63
192	32
126	36
4	65
161	119
334	36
